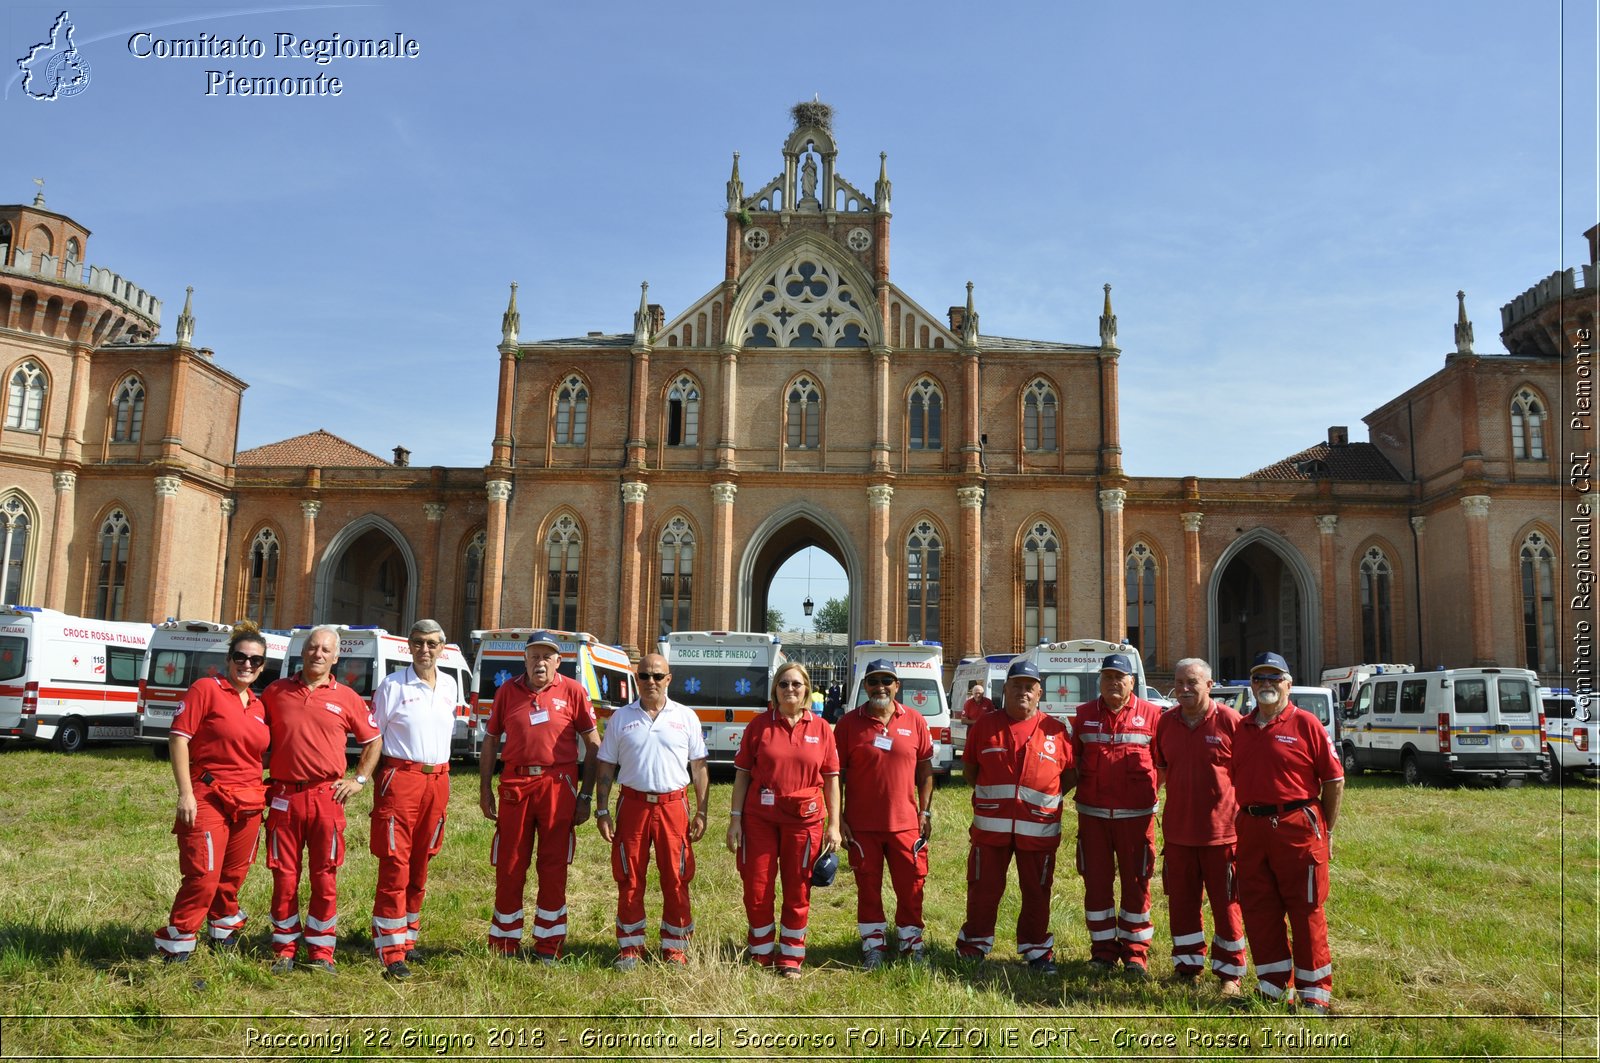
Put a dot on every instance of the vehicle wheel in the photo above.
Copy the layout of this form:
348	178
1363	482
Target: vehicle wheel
1549	768
72	734
160	751
1511	782
1411	771
1347	756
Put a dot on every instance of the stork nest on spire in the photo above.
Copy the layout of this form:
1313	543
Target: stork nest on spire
813	114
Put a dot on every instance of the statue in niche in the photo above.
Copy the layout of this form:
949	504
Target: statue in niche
808	179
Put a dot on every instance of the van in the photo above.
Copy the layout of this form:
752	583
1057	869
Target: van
1569	735
604	670
68	680
990	670
1346	682
181	653
1236	696
920	667
1318	701
1070	673
1455	723
726	678
367	655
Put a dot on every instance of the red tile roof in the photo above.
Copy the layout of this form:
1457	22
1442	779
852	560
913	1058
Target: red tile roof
1352	461
320	449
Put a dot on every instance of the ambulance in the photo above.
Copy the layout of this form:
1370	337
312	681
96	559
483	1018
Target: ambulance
367	655
603	670
920	667
726	678
1070	673
1346	682
1452	724
68	680
181	653
990	670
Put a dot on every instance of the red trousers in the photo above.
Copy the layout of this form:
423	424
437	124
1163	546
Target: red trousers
214	856
1110	850
986	884
408	812
306	819
1187	871
1283	872
663	825
774	851
908	870
534	825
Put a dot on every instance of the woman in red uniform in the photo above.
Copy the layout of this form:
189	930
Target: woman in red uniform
785	814
217	740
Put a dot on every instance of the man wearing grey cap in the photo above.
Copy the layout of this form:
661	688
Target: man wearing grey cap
540	714
1111	739
886	765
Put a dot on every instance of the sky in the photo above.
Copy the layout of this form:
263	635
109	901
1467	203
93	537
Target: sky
1284	197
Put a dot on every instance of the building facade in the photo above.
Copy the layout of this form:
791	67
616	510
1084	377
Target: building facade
971	485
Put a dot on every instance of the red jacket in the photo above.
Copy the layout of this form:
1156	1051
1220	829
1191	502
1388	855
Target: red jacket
1116	772
1017	796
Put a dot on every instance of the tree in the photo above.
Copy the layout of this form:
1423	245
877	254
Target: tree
774	620
833	617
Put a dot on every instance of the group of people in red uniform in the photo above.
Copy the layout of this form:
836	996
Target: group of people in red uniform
1251	806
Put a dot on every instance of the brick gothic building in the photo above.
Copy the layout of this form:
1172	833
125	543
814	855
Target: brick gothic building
971	485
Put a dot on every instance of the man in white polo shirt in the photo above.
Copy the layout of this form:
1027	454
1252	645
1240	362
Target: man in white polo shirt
415	710
654	749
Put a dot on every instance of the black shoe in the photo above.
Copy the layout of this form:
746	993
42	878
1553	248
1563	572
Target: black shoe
325	966
413	955
1043	965
174	957
227	944
283	965
397	971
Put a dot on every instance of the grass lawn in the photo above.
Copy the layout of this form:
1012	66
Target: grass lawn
1463	924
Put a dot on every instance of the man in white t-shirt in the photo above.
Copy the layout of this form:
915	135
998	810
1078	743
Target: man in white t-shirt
654	749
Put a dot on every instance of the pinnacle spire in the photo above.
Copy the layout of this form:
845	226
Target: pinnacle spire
641	317
38	197
1108	324
510	321
880	194
186	319
735	187
1463	326
969	321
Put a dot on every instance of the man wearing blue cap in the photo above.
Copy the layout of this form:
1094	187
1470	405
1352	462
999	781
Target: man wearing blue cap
1019	762
1288	782
1111	740
886	765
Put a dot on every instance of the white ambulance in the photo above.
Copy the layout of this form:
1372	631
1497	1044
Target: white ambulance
68	680
726	678
604	670
920	668
1455	723
181	653
367	655
1346	682
1070	673
990	670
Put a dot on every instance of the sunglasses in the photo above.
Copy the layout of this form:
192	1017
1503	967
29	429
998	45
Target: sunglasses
255	660
1268	677
427	644
655	677
792	684
880	681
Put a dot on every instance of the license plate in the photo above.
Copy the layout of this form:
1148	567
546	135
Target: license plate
162	710
1473	740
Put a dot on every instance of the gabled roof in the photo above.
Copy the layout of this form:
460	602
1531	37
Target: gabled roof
319	449
1351	461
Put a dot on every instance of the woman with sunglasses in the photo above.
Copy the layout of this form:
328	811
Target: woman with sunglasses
217	742
785	814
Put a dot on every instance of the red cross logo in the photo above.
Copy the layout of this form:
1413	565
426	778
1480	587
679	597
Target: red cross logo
920	698
1061	693
74	660
170	669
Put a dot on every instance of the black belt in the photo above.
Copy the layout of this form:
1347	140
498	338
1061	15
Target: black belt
299	787
1277	810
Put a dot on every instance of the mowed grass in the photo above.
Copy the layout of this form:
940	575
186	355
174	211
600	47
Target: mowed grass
1463	924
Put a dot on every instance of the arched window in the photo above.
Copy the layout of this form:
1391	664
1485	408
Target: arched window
805	415
25	398
1539	603
472	583
1039	417
261	588
1377	607
572	412
564	550
18	525
924	557
129	419
1040	551
926	416
1527	426
1141	588
683	413
677	576
74	253
112	578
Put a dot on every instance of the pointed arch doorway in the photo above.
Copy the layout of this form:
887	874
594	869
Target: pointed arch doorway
367	577
779	538
1263	597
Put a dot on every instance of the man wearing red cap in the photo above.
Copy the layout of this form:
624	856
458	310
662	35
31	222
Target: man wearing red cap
1288	781
1019	763
886	764
540	715
1116	801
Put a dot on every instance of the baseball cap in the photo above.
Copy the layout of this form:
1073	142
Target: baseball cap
543	638
881	667
824	870
1269	660
1023	667
1117	662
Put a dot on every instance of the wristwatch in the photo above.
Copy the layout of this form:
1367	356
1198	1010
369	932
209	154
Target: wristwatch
602	813
361	780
